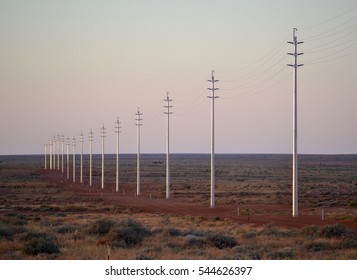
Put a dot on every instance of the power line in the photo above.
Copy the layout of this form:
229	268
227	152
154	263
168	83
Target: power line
329	19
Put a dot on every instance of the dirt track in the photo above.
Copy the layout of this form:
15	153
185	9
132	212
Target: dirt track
145	204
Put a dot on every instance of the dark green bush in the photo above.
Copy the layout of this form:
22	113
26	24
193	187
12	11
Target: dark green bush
282	255
336	231
317	246
102	226
348	243
66	229
221	241
309	231
40	243
195	242
129	233
6	232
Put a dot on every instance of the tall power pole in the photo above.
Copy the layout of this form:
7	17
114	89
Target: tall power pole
117	131
138	124
213	97
67	146
168	113
62	142
74	159
295	54
81	140
90	157
103	136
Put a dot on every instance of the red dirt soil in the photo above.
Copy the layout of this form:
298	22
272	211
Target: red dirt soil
144	204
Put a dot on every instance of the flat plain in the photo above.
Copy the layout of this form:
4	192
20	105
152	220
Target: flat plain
46	216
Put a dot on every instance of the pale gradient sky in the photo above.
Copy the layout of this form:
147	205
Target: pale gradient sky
69	66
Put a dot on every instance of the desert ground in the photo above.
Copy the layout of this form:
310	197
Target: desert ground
46	216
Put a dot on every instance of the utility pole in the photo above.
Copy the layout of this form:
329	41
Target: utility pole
58	151
90	157
45	156
213	97
295	54
62	141
74	159
67	145
54	152
168	113
138	124
103	136
117	131
81	140
51	154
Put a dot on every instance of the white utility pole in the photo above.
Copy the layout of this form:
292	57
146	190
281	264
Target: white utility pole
213	97
90	157
74	159
138	124
103	136
58	151
45	156
81	140
295	54
67	145
54	152
168	113
51	154
62	142
117	131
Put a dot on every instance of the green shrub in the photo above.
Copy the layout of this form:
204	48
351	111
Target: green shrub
336	231
175	232
309	231
317	246
6	232
221	241
102	226
40	243
66	229
348	243
129	233
283	254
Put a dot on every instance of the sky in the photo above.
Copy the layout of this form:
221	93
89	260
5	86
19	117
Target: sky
70	66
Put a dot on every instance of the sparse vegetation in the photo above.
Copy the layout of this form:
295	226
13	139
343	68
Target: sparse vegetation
40	243
44	218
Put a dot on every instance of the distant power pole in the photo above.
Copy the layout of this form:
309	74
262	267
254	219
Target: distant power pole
58	151
62	142
295	54
54	152
45	156
90	157
67	146
81	140
51	145
213	97
74	159
168	113
103	136
117	131
138	124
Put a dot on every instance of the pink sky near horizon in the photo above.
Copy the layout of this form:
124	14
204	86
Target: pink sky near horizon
71	66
